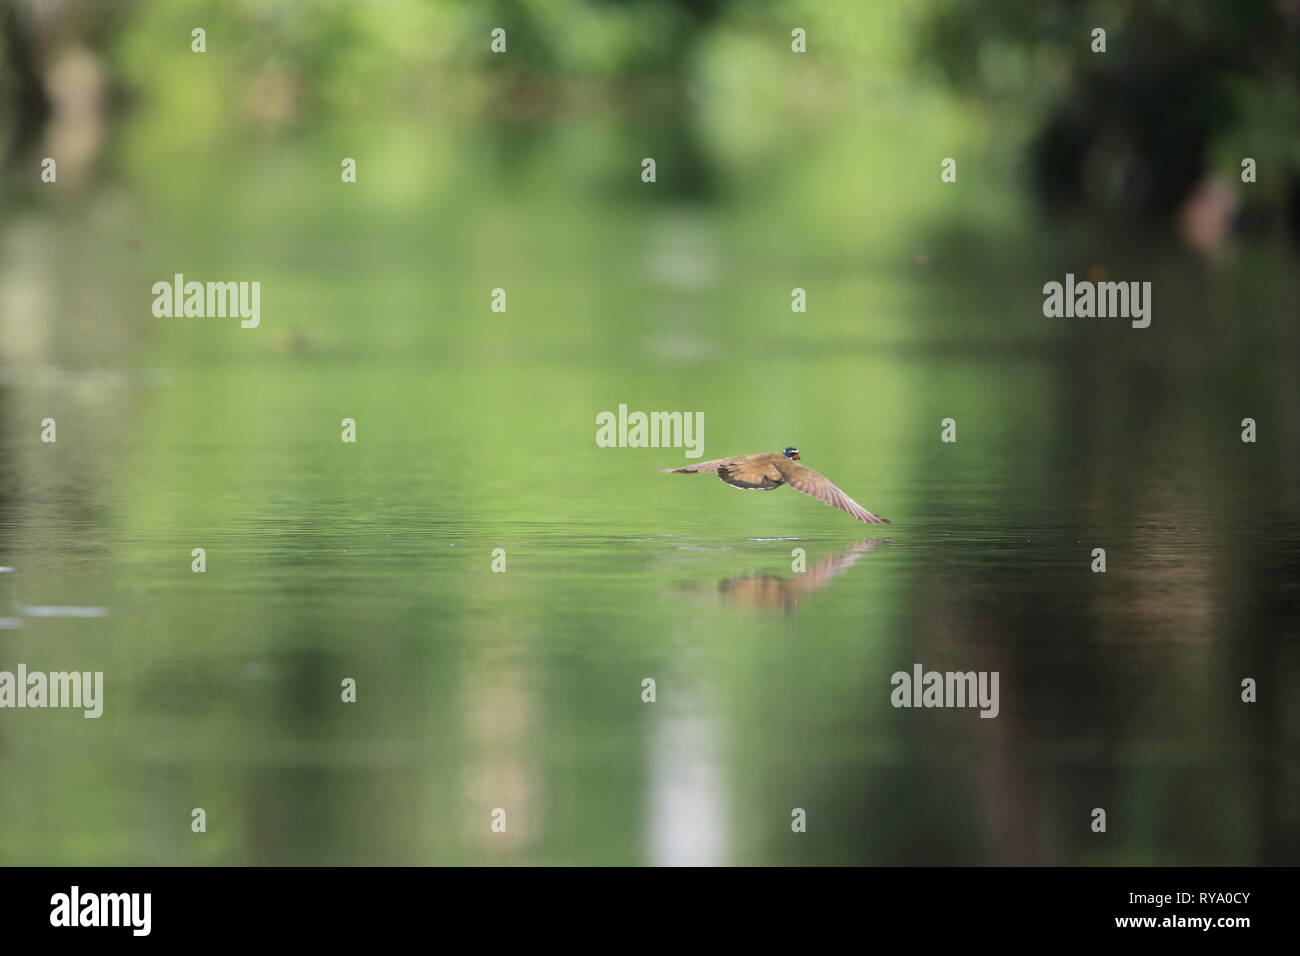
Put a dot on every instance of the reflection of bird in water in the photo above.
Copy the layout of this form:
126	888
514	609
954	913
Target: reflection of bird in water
772	592
768	470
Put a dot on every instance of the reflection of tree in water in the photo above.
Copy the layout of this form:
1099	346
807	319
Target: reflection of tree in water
1118	690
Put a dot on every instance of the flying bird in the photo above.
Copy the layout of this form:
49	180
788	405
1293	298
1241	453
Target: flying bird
772	469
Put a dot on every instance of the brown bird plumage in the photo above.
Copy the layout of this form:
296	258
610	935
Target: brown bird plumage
773	469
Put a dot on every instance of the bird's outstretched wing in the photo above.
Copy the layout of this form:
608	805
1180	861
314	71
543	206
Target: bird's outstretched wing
697	468
816	485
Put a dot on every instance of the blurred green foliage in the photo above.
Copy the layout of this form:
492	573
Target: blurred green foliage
1182	90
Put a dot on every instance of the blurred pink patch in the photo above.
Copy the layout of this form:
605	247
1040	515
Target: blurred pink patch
1206	216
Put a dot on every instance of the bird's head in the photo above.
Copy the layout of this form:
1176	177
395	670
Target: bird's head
791	453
